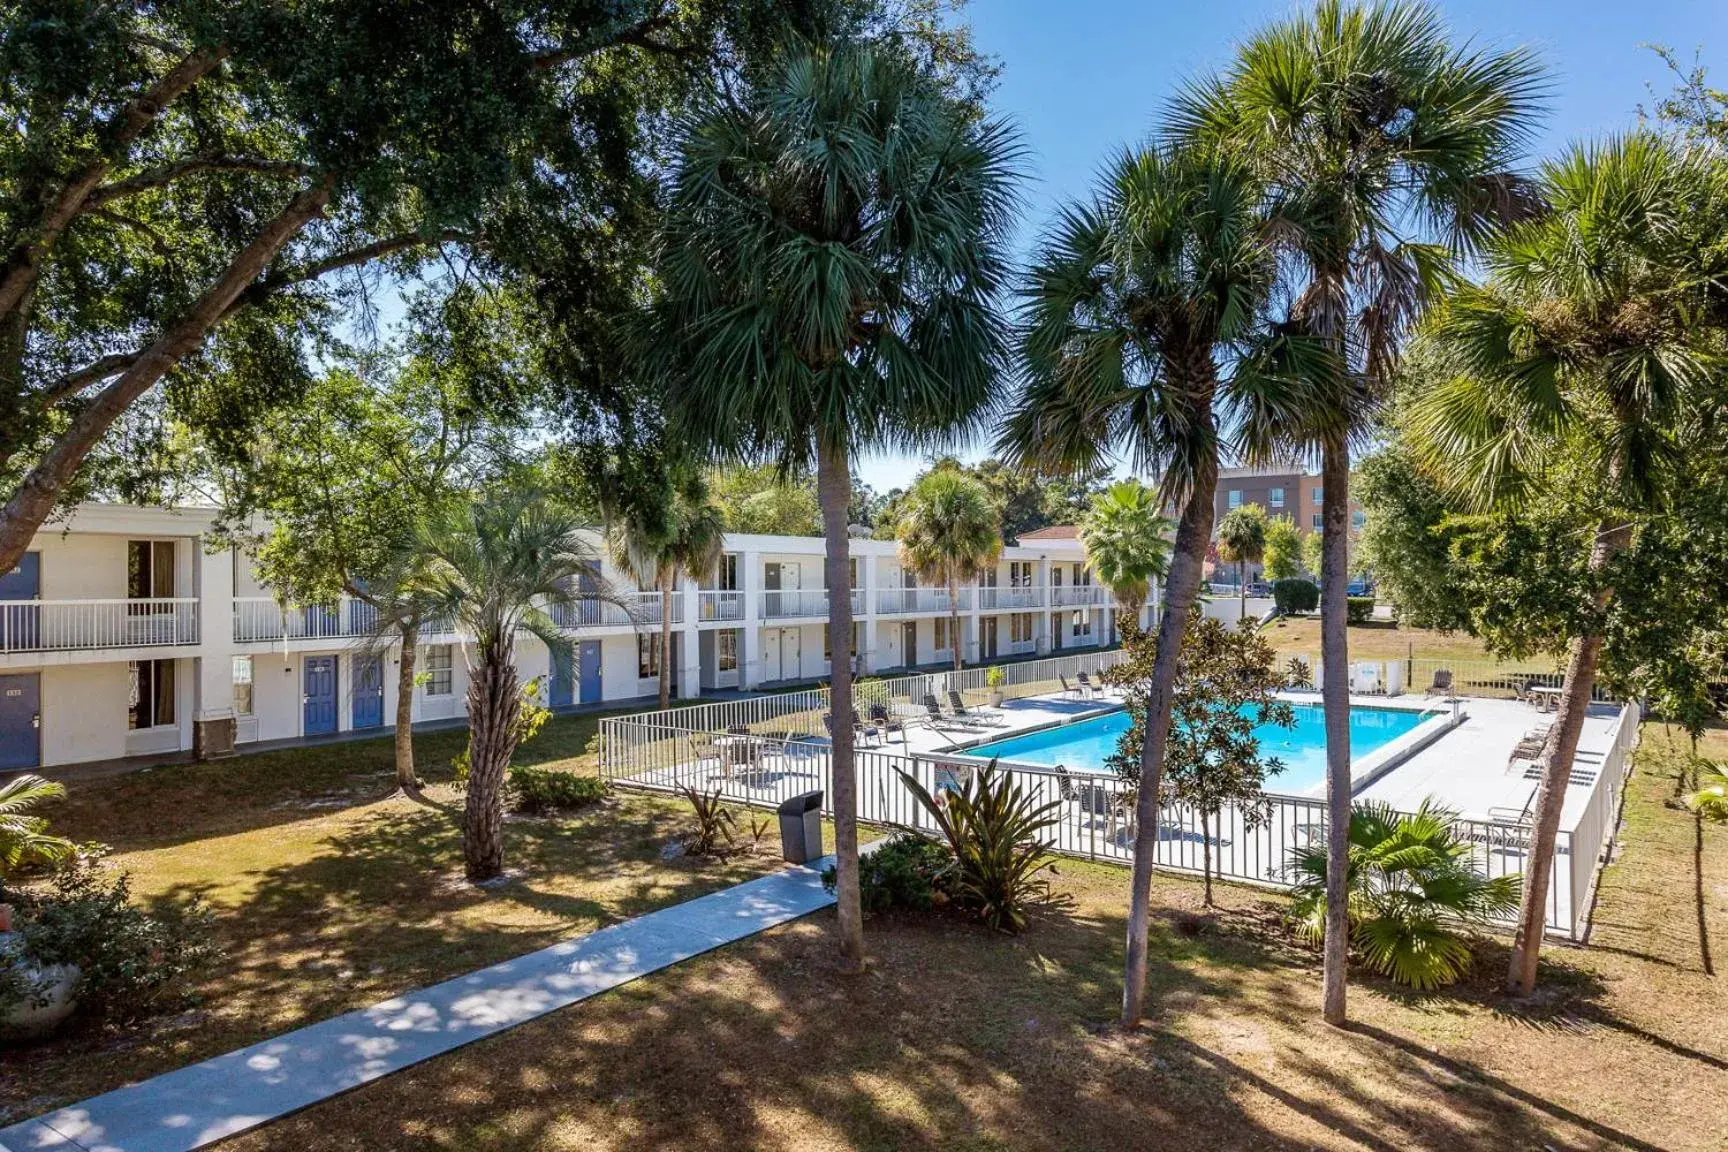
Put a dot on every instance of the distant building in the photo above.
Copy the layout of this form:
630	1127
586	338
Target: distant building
1287	492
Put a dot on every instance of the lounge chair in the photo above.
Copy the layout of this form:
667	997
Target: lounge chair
862	730
957	707
1097	690
937	718
885	722
1442	685
1069	689
1515	815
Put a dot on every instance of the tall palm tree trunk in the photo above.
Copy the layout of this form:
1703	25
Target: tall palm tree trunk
1181	589
834	490
1557	756
405	778
1241	591
954	624
666	641
1335	701
494	703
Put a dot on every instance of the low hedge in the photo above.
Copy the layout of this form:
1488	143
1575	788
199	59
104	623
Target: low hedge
1360	609
549	790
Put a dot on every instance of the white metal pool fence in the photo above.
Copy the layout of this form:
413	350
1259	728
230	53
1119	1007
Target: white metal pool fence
783	754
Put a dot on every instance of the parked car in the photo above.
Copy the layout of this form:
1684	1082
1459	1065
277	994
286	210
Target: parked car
1360	588
1259	588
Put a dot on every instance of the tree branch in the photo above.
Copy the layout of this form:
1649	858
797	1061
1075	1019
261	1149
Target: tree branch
24	263
168	173
74	382
354	257
637	35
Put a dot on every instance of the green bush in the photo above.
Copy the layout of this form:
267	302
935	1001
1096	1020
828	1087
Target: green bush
1360	609
552	790
1296	594
909	871
995	833
1412	880
131	963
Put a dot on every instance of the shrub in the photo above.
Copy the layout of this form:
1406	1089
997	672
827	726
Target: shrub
1297	673
714	821
1293	595
994	833
131	963
1411	877
909	871
550	790
1359	609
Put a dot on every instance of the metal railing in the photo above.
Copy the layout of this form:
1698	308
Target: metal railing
715	604
1010	599
777	749
780	604
259	619
73	625
900	601
1079	595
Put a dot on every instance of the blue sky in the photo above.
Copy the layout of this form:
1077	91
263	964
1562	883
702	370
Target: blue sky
1084	77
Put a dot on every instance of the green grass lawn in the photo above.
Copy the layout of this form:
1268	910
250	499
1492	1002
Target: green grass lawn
1386	640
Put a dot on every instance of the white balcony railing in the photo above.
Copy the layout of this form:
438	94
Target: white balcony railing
259	619
777	604
718	604
74	625
899	601
1079	595
633	609
1010	599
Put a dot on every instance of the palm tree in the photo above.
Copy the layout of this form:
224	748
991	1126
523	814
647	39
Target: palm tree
1127	542
498	567
1133	301
1387	149
1242	541
835	241
1410	877
24	838
686	533
1585	344
949	531
1710	798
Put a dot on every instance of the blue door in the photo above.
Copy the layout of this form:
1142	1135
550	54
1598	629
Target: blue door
369	693
20	721
320	697
19	623
588	670
560	689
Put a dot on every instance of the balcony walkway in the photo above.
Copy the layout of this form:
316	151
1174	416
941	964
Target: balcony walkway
202	1104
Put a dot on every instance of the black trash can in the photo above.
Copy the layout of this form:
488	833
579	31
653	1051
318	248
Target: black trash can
801	828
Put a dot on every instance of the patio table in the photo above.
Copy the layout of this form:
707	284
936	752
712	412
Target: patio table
1547	696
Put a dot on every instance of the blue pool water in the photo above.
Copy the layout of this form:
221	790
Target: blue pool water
1082	746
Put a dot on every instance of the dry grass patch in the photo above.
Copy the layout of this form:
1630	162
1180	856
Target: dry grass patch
963	1039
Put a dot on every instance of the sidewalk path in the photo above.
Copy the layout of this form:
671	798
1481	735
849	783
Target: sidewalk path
194	1106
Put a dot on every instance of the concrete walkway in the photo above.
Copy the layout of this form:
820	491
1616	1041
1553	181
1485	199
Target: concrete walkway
196	1106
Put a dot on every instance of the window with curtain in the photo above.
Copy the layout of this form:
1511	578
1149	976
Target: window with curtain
150	699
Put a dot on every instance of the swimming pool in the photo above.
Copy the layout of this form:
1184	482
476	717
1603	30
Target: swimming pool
1083	745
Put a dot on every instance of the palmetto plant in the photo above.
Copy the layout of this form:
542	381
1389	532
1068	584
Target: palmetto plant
1411	882
684	532
834	245
949	531
995	830
1387	150
1588	343
497	568
1710	798
24	837
1144	329
1127	542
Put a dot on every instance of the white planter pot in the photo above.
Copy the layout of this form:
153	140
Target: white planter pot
996	698
49	994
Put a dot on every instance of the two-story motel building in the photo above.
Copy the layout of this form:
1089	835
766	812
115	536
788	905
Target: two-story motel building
122	635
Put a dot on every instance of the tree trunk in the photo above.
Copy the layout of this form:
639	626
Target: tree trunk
1557	756
405	778
1335	700
665	642
1241	591
954	624
1181	589
834	489
34	497
494	703
1206	854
